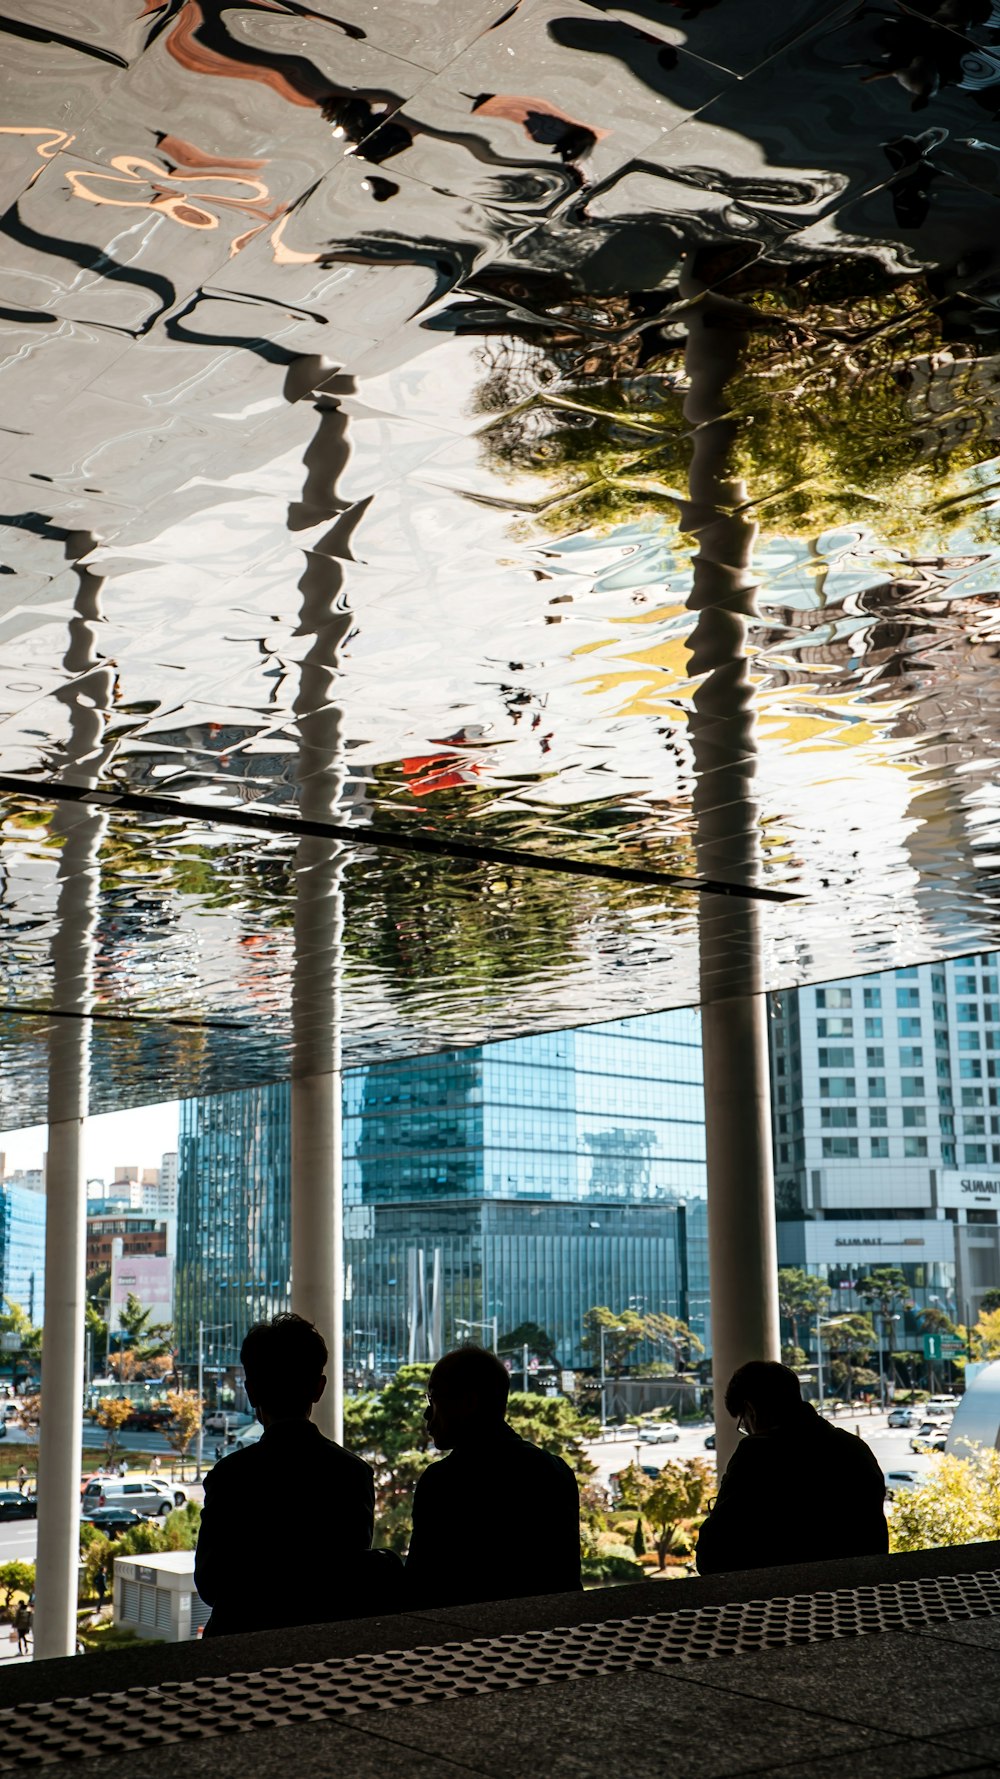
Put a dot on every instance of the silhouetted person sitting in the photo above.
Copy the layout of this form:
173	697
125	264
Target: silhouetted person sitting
287	1522
796	1490
498	1517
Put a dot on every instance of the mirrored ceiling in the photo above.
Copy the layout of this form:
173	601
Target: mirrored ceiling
499	518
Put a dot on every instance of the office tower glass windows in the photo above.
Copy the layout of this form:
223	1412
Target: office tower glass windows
22	1249
529	1179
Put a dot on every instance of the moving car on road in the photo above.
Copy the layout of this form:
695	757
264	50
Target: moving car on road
896	1481
14	1506
228	1420
113	1521
146	1495
940	1408
710	1442
931	1438
903	1417
662	1435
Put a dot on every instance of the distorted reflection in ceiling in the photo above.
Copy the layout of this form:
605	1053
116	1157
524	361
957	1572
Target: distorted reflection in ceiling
345	449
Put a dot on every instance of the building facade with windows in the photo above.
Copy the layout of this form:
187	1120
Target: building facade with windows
22	1248
886	1110
526	1180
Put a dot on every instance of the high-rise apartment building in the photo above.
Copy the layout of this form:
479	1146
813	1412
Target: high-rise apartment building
886	1109
519	1181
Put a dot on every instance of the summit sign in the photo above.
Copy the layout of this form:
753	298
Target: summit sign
972	1189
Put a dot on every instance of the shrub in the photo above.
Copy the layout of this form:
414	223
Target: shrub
604	1570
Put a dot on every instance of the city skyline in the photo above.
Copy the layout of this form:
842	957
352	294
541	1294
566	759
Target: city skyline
141	1135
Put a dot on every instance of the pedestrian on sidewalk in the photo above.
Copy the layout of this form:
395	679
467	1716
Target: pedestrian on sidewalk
101	1586
22	1479
23	1620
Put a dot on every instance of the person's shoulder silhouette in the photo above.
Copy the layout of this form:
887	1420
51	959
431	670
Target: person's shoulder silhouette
497	1517
247	1568
796	1489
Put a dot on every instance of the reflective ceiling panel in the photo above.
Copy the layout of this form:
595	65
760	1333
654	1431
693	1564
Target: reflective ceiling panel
469	477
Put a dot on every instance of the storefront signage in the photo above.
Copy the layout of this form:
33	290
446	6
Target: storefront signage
968	1189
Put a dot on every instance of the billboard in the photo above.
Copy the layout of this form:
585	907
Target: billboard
150	1278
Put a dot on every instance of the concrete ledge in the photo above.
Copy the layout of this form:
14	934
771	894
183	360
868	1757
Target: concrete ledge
80	1676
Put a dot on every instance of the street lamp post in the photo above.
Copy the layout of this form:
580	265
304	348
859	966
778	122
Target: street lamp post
490	1322
203	1329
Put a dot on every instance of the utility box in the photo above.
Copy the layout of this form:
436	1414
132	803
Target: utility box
154	1596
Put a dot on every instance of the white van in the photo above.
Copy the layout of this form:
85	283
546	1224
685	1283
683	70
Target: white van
936	1408
144	1494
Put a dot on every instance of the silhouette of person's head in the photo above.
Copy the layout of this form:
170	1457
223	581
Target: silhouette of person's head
466	1397
763	1395
283	1363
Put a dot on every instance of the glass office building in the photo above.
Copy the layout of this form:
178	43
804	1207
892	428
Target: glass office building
233	1247
22	1249
526	1180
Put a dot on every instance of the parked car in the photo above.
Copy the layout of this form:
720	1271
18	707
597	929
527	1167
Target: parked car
932	1437
898	1480
902	1417
228	1420
146	1495
710	1442
14	1506
113	1521
652	1470
662	1435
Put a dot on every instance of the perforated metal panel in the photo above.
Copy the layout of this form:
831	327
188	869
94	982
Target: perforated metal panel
308	1692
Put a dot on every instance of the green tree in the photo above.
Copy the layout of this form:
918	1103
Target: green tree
990	1300
186	1409
884	1290
958	1504
528	1334
16	1578
676	1505
984	1339
15	1321
95	1316
850	1341
111	1415
96	1552
632	1486
387	1428
147	1343
801	1296
670	1332
622	1334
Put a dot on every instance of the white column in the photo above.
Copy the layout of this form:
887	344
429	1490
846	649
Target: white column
318	1229
87	698
317	1285
61	1430
741	1221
